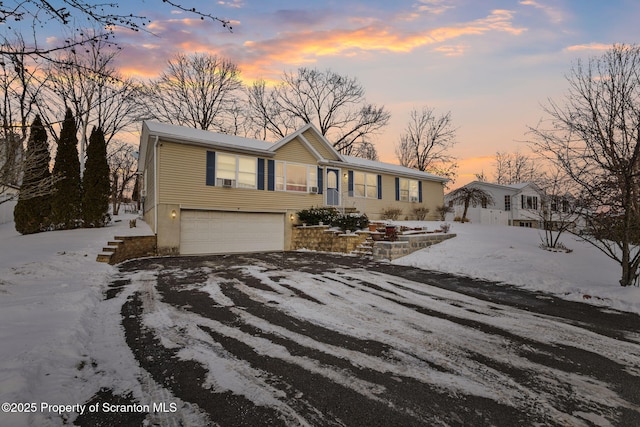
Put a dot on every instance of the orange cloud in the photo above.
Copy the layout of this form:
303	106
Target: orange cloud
453	50
256	59
590	46
306	47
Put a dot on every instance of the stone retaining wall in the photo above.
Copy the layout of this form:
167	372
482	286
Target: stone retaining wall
123	248
406	244
320	238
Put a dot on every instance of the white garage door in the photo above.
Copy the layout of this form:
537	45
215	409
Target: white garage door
211	232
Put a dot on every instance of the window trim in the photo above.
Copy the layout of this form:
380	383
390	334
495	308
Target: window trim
237	158
311	176
507	202
525	202
366	185
408	191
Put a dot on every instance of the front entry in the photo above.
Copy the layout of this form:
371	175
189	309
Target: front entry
333	187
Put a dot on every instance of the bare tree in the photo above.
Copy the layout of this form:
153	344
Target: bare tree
197	91
593	138
335	104
123	166
19	87
470	196
366	150
87	82
427	142
16	16
515	168
560	210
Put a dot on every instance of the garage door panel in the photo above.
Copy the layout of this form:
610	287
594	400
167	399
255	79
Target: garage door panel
204	232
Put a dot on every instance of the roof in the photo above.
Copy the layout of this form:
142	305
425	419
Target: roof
362	163
514	188
191	136
187	134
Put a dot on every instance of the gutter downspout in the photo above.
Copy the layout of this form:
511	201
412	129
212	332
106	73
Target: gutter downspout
155	185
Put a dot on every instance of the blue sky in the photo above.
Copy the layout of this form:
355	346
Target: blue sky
492	63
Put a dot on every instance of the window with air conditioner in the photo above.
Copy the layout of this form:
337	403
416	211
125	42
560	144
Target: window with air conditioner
236	171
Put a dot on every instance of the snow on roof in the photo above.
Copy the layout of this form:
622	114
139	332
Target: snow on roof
390	167
191	135
205	136
519	186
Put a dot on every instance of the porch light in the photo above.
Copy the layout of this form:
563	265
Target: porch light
174	214
292	217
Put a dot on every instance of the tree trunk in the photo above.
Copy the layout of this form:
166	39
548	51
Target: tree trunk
464	213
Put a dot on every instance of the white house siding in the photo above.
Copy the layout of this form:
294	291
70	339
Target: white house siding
6	211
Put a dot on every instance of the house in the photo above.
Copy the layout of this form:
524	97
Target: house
515	204
8	200
206	192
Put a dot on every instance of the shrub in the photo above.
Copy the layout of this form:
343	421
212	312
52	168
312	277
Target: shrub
391	213
459	219
445	226
353	221
442	211
421	213
315	216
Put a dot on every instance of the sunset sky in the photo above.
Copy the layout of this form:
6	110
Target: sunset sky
492	63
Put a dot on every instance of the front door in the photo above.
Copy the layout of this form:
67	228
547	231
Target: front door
333	187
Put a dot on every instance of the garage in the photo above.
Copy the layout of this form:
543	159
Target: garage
215	232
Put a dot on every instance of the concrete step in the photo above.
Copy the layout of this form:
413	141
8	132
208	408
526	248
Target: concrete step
110	249
104	257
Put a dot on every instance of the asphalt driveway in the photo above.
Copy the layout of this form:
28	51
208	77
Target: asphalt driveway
325	340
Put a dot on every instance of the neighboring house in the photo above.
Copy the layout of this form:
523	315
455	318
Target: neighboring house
207	192
516	204
8	201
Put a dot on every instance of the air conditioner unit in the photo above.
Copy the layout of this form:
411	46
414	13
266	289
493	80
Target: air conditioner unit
313	190
228	183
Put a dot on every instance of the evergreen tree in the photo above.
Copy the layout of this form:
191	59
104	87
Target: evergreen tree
66	201
95	182
33	209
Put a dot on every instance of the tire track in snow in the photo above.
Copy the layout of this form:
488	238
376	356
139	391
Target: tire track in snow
554	377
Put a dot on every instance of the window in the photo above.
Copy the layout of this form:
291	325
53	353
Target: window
483	202
240	172
529	202
507	203
409	190
365	185
295	177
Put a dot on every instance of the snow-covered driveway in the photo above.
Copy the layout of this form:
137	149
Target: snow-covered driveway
318	339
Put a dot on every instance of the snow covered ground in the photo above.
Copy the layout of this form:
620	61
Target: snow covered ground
55	325
512	255
50	287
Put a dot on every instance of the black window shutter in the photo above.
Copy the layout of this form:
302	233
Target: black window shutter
260	174
271	175
379	187
320	180
350	183
397	188
420	191
211	168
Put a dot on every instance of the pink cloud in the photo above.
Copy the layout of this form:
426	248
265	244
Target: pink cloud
589	46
